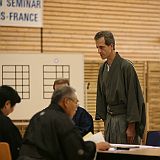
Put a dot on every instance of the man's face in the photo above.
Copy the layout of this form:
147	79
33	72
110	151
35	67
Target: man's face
104	50
7	108
71	104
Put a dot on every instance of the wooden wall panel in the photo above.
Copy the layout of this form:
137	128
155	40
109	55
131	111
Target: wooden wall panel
69	26
141	69
20	39
153	95
90	77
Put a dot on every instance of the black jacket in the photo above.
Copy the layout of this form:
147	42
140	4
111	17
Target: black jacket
9	133
51	135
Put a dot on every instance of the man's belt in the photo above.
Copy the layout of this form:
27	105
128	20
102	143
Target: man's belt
116	109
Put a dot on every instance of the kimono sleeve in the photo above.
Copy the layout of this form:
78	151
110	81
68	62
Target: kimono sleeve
101	106
135	101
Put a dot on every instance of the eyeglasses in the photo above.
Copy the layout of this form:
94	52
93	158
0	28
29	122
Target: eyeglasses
74	100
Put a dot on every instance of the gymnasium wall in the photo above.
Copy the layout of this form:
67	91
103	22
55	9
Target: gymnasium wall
70	26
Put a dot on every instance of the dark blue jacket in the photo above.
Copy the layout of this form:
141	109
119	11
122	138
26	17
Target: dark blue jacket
83	121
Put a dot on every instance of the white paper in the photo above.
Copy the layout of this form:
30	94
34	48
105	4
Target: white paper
98	137
129	146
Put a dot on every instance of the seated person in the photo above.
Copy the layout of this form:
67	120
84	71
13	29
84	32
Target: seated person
82	119
51	134
8	131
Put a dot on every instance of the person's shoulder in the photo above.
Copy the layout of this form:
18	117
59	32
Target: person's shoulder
36	114
102	64
5	119
127	64
56	114
50	115
81	110
6	123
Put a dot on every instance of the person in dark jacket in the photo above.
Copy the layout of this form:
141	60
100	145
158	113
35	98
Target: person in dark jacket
8	131
51	134
82	119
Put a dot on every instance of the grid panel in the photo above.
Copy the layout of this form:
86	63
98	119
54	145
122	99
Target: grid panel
18	77
50	74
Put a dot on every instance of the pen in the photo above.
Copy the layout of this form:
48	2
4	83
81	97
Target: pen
125	148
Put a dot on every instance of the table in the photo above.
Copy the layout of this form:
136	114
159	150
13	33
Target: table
132	154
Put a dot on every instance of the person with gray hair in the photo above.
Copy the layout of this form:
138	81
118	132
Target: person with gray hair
52	135
82	119
119	101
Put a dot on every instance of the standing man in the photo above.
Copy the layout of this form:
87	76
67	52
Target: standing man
8	131
119	102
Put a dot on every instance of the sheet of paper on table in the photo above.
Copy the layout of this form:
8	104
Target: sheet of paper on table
98	137
128	146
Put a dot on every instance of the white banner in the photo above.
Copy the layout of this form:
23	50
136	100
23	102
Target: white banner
24	13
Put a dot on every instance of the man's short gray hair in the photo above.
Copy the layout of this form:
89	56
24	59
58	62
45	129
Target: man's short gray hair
62	92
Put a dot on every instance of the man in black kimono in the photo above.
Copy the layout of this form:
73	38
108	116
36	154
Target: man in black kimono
119	102
51	135
8	131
